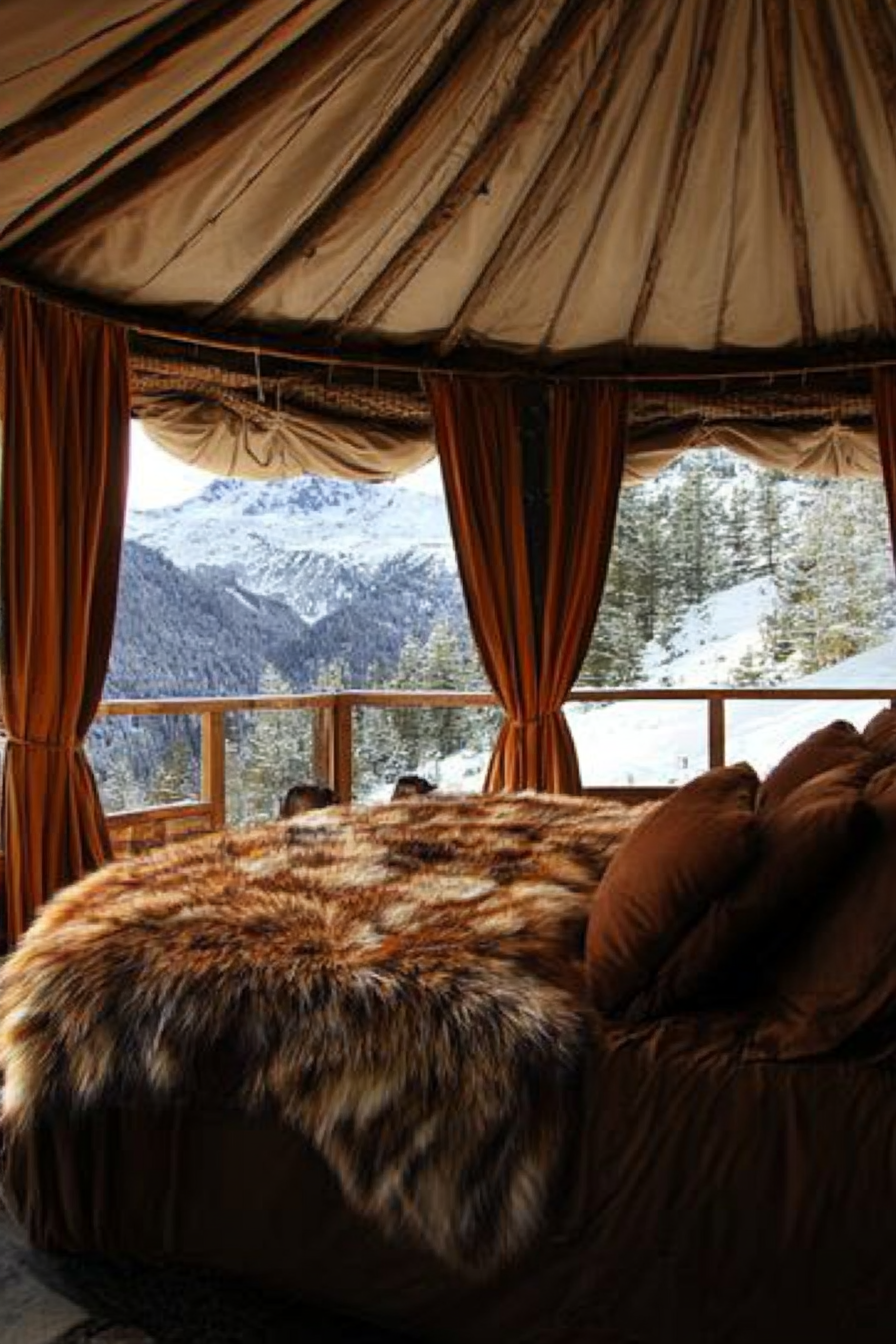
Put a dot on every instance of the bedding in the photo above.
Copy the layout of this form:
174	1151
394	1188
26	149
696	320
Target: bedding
356	1057
837	743
839	977
802	842
403	984
879	734
704	1197
688	850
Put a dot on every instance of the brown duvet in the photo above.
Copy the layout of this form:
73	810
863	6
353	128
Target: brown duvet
701	1189
705	1199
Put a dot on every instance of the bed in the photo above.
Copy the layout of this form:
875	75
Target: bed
565	1072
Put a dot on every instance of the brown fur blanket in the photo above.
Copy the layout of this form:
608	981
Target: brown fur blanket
404	983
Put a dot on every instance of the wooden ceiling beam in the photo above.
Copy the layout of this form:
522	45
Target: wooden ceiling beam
661	52
118	73
641	364
879	35
544	70
779	56
440	75
311	29
746	102
596	96
700	81
824	56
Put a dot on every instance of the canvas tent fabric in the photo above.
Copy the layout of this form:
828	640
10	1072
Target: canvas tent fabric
555	189
454	180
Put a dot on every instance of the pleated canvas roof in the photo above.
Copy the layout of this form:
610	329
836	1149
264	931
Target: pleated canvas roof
460	180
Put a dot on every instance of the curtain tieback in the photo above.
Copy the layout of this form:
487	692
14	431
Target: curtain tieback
35	744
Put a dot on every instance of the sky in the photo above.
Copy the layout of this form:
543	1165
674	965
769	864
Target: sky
158	479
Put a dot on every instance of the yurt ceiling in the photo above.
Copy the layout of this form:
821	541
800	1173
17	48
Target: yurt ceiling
647	188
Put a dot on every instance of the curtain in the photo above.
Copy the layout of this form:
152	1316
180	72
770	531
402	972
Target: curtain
587	453
229	433
835	451
64	487
478	435
885	414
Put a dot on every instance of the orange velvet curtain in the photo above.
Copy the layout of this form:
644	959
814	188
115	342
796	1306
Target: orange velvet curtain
64	488
885	415
477	424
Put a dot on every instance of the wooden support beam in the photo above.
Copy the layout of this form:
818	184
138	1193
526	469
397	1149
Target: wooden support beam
661	51
158	815
831	86
123	69
341	781
597	94
322	745
878	29
779	57
716	730
701	79
295	45
214	771
545	69
751	60
441	70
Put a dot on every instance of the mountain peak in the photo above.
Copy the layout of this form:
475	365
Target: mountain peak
283	538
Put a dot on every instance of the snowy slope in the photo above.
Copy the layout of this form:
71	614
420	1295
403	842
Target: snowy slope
713	638
640	742
306	540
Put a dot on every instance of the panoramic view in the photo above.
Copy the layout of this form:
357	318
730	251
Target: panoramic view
447	671
723	574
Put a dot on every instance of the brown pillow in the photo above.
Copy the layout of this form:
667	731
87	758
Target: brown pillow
879	735
839	743
805	841
842	974
698	842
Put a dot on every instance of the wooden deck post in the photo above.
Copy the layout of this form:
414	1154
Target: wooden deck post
341	768
332	745
323	733
716	726
214	774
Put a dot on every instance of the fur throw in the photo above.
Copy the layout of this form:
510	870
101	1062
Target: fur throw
403	983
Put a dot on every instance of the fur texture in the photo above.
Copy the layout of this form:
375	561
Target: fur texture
403	983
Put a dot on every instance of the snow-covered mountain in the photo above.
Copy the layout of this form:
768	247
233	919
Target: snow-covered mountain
310	542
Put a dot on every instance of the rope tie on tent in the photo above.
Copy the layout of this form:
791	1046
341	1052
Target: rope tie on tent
36	744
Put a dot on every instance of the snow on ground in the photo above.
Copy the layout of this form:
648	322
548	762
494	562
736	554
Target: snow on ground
713	638
649	742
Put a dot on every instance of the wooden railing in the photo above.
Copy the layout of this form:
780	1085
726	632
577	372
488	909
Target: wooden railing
332	736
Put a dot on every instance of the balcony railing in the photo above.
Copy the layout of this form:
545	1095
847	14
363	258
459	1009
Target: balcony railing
332	750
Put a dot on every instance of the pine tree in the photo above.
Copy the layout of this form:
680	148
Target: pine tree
693	552
443	670
178	774
742	557
235	762
834	593
278	753
119	790
767	521
631	600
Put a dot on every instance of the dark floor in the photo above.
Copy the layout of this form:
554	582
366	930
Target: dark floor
31	1312
63	1300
